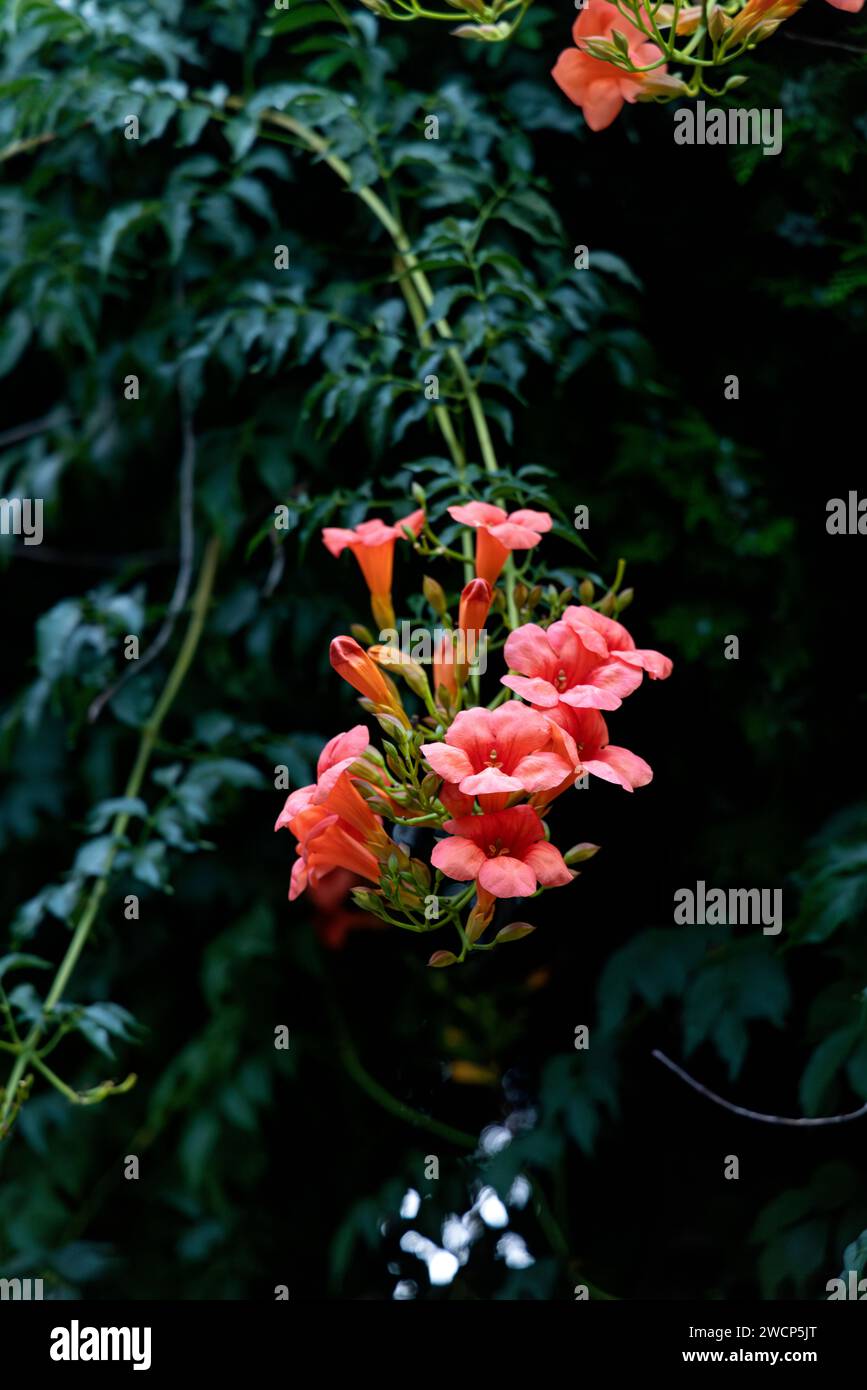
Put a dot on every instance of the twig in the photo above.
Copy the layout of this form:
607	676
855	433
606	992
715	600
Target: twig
185	562
47	555
799	1122
825	43
148	739
33	427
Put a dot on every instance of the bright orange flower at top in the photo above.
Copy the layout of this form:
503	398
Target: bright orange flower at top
600	88
372	544
498	533
759	19
352	663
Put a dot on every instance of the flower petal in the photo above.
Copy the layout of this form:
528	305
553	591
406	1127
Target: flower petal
489	781
457	858
450	763
537	692
505	877
621	766
548	865
477	514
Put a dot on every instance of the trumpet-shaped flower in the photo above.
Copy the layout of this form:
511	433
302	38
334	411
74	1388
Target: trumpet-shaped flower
565	665
496	754
580	739
504	851
618	641
498	533
372	544
601	87
352	663
331	820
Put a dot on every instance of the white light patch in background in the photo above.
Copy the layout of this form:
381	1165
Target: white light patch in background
491	1209
513	1250
519	1192
410	1205
495	1138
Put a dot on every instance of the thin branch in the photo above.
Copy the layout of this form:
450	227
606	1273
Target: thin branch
14	1095
799	1122
48	555
33	427
185	562
825	43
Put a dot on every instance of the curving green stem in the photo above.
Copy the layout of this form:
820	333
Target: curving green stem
149	735
422	287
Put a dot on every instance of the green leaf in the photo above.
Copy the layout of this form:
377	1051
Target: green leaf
104	811
15	330
823	1066
117	224
19	961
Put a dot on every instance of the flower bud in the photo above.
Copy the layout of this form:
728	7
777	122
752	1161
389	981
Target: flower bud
435	595
430	786
578	853
362	634
356	667
606	605
624	599
586	590
718	24
393	659
366	898
513	932
439	959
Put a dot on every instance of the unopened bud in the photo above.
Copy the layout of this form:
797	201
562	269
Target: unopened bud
521	592
586	590
718	24
362	634
578	853
430	786
394	660
366	899
513	932
435	595
386	722
624	599
439	959
420	873
606	605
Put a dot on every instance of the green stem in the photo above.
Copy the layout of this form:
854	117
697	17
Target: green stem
401	241
148	737
391	1103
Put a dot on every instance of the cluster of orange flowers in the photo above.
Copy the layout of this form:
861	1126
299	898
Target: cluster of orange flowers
622	50
482	776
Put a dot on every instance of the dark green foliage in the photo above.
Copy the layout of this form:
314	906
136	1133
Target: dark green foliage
305	388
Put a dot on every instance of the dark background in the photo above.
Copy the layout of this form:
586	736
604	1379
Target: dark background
260	1169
